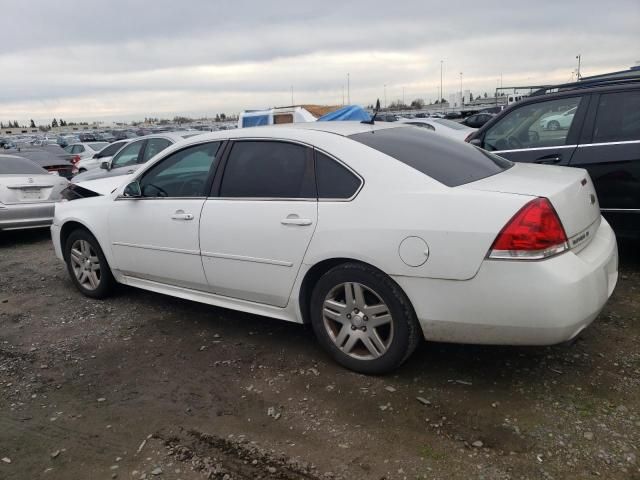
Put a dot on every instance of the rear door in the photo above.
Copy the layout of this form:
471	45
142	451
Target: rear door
255	232
541	132
610	151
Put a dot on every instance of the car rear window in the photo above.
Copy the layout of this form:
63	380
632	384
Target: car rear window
19	166
450	162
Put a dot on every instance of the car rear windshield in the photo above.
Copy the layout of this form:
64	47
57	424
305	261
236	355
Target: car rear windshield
19	166
450	162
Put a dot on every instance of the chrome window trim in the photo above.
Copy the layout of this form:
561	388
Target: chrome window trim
622	142
265	199
621	210
532	149
122	197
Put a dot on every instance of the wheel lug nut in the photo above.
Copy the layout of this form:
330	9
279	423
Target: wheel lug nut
364	329
349	316
356	311
365	318
353	327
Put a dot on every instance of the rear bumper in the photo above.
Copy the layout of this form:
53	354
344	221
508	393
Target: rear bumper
26	215
518	302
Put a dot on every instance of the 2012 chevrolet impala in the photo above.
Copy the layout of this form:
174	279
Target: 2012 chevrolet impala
376	234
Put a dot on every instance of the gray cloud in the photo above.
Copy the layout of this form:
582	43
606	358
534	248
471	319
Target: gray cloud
210	55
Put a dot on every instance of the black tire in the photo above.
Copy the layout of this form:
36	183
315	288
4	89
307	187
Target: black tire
553	125
82	170
406	329
106	281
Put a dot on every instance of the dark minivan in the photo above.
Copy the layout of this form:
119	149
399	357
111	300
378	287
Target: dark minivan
591	125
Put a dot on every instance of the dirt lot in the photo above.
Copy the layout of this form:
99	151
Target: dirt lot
147	386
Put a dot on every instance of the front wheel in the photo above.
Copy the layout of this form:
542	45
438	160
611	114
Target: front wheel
87	265
553	125
363	319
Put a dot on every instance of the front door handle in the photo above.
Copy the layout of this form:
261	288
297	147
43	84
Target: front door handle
549	159
180	215
301	222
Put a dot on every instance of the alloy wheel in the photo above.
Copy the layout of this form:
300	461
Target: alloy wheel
358	321
85	264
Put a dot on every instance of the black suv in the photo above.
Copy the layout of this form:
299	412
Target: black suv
593	125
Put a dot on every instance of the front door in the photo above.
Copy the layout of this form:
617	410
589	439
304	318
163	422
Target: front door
155	236
541	132
254	234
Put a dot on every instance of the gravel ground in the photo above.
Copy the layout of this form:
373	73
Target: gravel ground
147	386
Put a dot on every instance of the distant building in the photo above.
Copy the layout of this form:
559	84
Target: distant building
18	131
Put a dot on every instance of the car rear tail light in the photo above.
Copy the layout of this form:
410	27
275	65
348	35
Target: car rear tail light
534	233
75	159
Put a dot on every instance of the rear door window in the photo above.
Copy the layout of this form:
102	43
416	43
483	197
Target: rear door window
449	162
618	117
268	169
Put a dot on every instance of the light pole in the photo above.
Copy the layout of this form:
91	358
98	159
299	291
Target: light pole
461	97
440	99
385	96
579	58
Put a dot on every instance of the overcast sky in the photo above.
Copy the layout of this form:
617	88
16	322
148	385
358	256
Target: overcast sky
90	60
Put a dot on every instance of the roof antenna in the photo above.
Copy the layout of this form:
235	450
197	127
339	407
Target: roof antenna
372	120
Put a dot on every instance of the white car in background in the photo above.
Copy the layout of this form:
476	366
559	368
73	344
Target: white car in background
104	155
442	126
84	150
377	235
133	155
558	121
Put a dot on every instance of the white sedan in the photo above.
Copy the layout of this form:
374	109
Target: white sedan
377	235
442	126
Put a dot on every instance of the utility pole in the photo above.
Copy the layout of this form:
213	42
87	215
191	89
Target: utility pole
579	58
441	62
348	90
385	95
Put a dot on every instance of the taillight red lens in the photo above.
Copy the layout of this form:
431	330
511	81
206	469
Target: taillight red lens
75	159
535	232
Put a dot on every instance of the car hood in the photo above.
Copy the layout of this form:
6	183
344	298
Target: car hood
104	186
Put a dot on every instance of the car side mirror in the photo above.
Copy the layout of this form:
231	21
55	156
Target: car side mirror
132	190
105	166
476	141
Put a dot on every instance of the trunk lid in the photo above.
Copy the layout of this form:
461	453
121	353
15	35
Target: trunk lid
570	191
30	188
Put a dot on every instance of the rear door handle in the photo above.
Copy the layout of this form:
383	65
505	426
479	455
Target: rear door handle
549	159
180	215
302	222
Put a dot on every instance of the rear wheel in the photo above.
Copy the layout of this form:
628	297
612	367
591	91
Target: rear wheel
87	265
363	319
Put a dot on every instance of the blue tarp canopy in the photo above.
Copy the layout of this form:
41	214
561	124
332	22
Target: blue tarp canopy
350	112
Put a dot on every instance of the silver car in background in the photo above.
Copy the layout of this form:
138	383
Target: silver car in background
27	193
